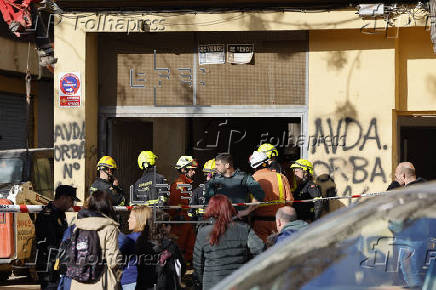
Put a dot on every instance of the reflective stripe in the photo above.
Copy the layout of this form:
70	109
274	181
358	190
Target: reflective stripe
151	201
200	210
281	187
281	191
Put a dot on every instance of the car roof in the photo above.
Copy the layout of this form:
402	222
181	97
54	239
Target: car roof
333	228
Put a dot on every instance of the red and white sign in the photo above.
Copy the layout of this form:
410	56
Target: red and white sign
69	90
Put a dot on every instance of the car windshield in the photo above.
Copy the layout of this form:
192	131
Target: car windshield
11	170
388	242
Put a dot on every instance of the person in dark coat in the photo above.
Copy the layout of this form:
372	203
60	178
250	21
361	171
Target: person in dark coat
50	225
306	189
161	265
199	196
405	174
148	189
106	181
223	246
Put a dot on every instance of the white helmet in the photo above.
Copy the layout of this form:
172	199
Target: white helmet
257	158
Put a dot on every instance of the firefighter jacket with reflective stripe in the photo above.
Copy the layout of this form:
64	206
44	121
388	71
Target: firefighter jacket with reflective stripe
307	211
180	194
276	188
115	192
199	198
146	192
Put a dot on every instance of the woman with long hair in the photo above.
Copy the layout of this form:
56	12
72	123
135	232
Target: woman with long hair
97	215
139	218
160	262
224	245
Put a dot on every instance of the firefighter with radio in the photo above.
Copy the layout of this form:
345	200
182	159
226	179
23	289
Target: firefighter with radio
106	181
149	189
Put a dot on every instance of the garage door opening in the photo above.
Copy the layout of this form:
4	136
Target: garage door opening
201	137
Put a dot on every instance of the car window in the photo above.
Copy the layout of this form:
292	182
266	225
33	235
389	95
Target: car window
11	170
396	253
387	242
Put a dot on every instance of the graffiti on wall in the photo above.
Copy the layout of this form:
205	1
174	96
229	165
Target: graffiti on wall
70	147
348	161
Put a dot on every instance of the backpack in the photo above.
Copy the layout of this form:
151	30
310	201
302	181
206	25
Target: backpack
170	268
86	264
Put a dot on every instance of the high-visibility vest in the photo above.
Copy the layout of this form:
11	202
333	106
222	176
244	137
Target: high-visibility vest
281	191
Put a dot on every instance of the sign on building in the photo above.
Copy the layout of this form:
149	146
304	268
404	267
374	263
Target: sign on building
69	90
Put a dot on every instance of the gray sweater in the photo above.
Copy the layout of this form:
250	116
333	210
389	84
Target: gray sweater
235	247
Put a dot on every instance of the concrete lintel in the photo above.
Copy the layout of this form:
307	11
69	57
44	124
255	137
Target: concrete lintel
199	111
232	21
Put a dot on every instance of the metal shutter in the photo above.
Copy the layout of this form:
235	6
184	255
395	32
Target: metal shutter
12	121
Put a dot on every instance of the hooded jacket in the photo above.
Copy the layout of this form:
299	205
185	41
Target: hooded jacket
107	230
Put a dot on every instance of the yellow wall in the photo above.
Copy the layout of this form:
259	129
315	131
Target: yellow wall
75	128
351	95
357	83
417	70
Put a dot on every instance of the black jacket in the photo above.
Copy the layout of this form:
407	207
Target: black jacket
235	247
307	211
116	192
199	197
416	181
50	225
237	188
153	268
145	190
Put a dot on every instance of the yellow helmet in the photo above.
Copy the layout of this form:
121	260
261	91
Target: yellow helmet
186	162
269	150
209	166
146	157
106	161
303	164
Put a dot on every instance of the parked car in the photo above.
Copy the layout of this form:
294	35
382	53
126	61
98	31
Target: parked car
383	242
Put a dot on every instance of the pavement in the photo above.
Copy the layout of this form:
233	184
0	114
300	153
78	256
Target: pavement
19	283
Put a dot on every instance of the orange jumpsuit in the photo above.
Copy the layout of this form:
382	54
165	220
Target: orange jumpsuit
184	232
264	216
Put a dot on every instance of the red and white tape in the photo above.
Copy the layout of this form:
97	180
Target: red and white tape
8	208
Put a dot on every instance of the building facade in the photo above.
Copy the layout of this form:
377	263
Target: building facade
353	95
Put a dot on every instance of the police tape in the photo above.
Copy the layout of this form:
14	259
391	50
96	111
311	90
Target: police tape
10	208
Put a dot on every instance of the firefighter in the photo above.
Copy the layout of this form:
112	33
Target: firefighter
306	189
199	194
180	194
276	188
272	154
106	181
145	190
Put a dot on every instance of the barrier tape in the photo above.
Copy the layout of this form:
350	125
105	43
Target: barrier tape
8	208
